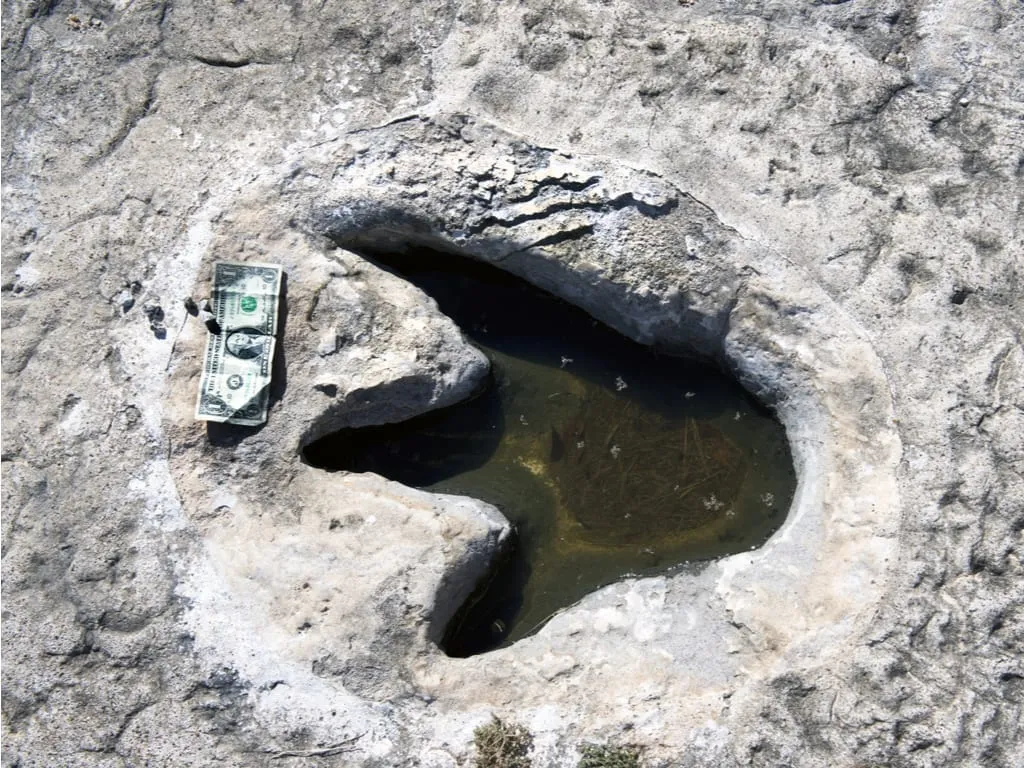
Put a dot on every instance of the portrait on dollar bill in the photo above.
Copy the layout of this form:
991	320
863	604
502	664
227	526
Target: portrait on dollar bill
235	384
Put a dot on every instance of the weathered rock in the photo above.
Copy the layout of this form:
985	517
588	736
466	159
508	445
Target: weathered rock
828	204
358	346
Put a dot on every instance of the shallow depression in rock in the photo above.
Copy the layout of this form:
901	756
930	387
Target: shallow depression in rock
610	459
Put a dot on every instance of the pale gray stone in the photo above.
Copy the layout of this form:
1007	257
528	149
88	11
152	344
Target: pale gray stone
823	196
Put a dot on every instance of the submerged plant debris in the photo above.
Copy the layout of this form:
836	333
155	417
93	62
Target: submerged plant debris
610	459
673	475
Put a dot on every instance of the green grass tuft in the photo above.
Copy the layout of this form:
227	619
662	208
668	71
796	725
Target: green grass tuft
502	745
603	756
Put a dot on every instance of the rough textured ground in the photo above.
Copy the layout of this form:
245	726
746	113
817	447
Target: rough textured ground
825	196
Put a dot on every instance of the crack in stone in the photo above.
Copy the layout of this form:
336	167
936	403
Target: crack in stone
219	61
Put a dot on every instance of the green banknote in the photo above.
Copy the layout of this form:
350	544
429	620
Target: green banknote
235	386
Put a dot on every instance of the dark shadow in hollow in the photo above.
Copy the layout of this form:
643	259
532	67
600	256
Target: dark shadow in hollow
421	451
483	622
279	365
481	299
609	459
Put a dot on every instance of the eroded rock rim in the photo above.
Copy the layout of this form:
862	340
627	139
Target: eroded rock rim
640	254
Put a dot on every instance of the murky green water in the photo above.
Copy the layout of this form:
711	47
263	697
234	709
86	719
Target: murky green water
610	459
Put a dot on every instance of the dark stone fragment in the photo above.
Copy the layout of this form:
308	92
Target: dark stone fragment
959	295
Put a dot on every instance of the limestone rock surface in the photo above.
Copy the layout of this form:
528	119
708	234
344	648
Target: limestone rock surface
824	197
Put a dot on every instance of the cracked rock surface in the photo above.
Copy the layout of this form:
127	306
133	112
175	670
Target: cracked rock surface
824	197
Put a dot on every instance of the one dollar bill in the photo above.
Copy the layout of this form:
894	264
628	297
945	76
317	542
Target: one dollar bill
235	386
